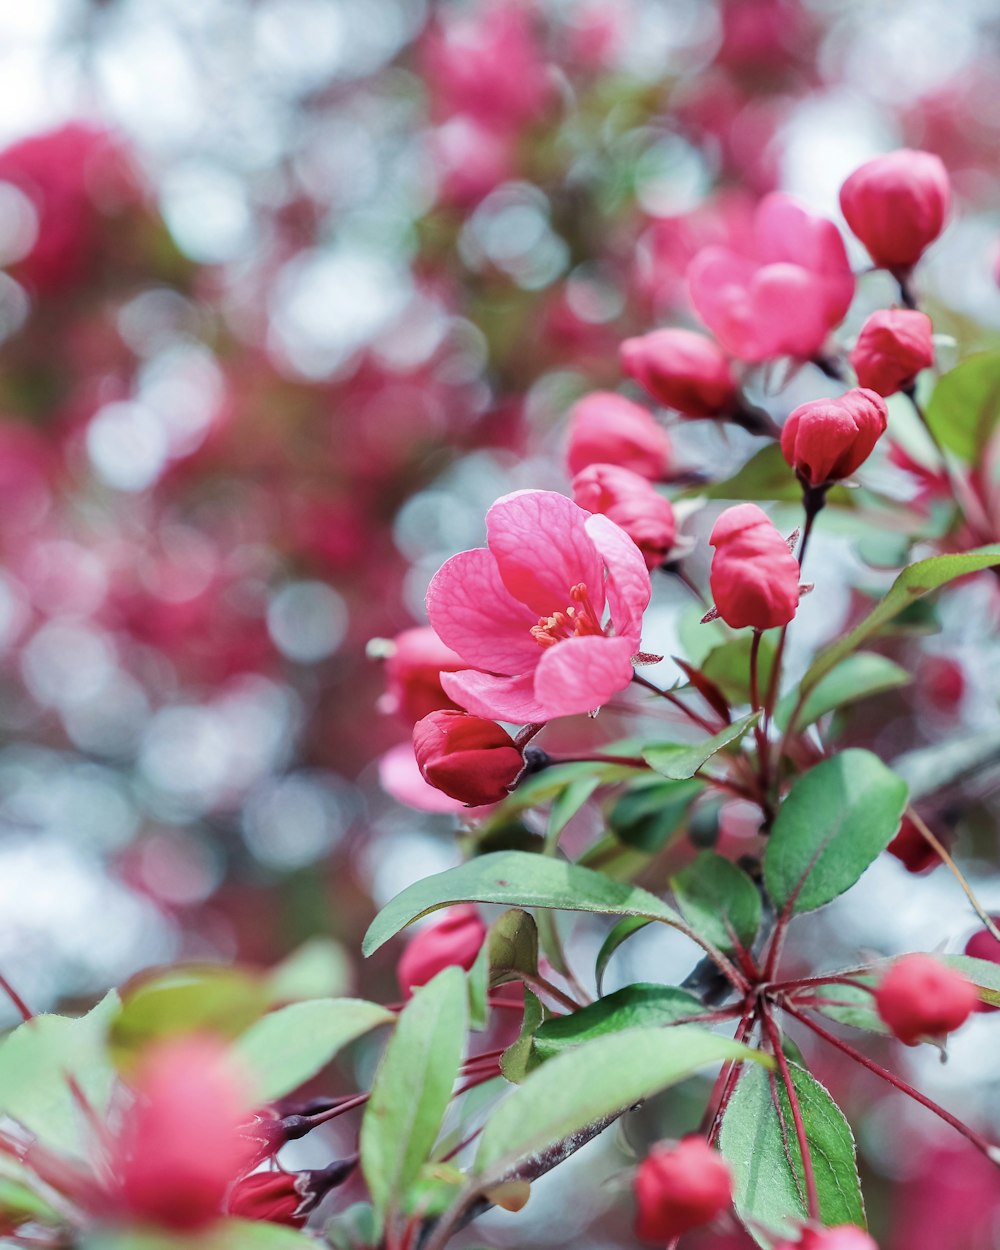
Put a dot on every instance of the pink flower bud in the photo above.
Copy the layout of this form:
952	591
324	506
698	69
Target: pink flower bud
754	577
678	1188
468	758
271	1196
892	348
453	941
897	204
633	504
912	849
682	370
825	440
921	997
180	1147
842	1237
606	428
983	945
413	673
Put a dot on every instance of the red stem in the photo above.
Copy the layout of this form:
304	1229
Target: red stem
980	1142
812	1196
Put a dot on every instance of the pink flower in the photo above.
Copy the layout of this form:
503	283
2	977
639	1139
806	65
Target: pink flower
682	370
452	941
631	502
400	776
470	759
606	428
754	577
785	297
549	613
413	674
892	348
897	205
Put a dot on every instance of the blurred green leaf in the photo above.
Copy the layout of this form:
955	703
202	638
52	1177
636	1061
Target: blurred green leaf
519	1057
516	879
767	475
289	1046
718	900
651	810
40	1058
914	582
763	1152
832	824
965	406
513	947
621	932
591	1082
229	1234
639	1004
857	677
413	1087
680	762
728	665
318	969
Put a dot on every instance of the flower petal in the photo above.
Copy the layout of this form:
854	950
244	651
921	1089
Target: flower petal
510	699
540	542
400	777
473	613
581	674
628	585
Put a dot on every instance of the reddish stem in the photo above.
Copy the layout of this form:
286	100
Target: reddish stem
980	1142
22	1007
726	1081
812	1196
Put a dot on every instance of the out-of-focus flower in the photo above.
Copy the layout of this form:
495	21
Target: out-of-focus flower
400	776
921	997
842	1237
826	440
180	1147
892	348
678	1188
276	1197
983	945
754	577
912	849
785	295
470	759
455	940
606	428
897	205
952	1198
632	503
682	370
529	610
413	668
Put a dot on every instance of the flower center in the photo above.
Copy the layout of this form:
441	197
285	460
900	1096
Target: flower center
579	620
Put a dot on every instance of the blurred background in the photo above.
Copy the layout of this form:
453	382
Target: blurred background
290	291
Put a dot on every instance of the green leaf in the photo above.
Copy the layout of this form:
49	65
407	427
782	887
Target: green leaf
680	762
37	1061
983	974
857	677
728	665
513	947
549	784
516	879
639	1004
478	985
914	582
622	931
318	969
591	1082
186	999
767	1190
718	900
289	1046
832	824
853	1006
651	811
354	1228
412	1088
566	805
519	1058
230	1234
964	409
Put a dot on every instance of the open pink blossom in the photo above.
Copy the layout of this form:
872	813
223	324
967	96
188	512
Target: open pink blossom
548	615
784	295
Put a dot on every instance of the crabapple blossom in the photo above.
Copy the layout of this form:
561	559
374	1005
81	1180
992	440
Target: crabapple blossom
413	674
455	939
892	348
682	370
606	428
631	502
912	849
470	759
783	296
549	612
680	1187
841	1237
754	577
897	205
921	997
826	440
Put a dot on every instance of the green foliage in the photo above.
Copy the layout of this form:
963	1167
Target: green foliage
728	665
964	409
225	1235
833	823
768	476
680	762
651	811
913	583
516	879
512	947
285	1049
591	1082
40	1059
758	1139
857	677
621	932
519	1058
635	1005
718	900
412	1088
